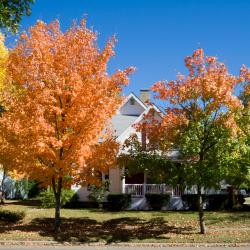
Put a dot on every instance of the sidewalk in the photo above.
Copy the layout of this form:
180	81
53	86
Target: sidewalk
32	244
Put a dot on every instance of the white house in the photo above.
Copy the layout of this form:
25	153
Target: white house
131	112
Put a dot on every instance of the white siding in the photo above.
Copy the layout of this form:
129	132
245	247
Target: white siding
82	193
115	180
127	133
115	185
128	109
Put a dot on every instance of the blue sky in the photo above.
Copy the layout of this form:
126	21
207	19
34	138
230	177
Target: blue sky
156	35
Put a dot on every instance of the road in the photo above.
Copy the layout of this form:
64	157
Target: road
116	248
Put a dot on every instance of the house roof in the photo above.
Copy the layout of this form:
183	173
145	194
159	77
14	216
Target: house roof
122	122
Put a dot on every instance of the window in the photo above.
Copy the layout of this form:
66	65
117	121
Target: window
132	101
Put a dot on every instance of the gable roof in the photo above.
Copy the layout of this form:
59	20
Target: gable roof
123	123
139	101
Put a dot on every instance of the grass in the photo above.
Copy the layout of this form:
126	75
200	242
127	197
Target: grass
93	225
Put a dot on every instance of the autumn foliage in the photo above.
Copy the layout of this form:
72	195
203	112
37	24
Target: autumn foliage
206	92
3	60
65	101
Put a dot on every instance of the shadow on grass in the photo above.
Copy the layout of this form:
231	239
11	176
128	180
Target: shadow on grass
110	231
230	217
28	203
155	213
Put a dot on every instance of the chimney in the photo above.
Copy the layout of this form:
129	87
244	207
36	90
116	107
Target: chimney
145	95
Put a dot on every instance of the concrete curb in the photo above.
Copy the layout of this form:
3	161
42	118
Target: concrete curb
56	243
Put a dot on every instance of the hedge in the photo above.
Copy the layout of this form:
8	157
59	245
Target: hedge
11	216
157	201
214	201
118	202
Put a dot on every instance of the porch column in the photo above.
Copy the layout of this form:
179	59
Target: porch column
123	181
144	184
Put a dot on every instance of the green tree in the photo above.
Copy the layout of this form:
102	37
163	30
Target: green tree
201	122
11	13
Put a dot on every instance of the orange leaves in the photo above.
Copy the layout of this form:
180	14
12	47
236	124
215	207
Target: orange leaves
207	91
208	80
67	100
245	73
102	158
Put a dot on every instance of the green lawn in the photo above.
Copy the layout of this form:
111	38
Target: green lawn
92	225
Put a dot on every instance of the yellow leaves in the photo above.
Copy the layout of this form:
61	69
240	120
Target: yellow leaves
3	61
15	175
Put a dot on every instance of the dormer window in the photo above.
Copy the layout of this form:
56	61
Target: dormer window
132	101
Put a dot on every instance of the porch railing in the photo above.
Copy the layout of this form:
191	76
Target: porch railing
139	190
136	190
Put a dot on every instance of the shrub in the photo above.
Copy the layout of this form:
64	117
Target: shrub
118	202
48	200
34	190
213	201
219	202
98	193
73	202
190	201
157	201
11	216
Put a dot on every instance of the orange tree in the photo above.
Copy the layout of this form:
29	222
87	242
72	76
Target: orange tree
66	100
200	121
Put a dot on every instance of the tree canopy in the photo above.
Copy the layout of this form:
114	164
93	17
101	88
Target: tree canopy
11	13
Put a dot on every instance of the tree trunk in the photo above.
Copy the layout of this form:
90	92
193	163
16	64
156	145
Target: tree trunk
201	211
2	191
57	214
57	188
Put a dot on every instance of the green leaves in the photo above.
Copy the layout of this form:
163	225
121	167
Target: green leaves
11	12
157	167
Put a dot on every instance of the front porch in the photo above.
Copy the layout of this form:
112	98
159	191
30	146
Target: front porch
139	201
140	184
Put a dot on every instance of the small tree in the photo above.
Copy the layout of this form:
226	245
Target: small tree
98	193
200	122
66	100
